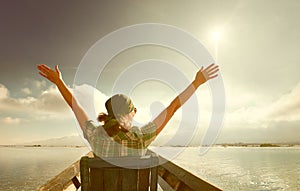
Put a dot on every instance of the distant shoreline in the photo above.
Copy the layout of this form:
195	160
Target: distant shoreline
38	146
260	145
249	145
216	145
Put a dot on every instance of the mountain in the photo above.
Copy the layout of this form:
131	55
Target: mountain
69	141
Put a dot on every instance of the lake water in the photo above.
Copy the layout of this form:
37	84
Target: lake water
246	169
230	168
27	168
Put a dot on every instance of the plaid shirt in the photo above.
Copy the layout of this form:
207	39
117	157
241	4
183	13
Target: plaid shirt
131	143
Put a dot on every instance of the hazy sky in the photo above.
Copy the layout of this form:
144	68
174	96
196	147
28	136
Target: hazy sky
257	50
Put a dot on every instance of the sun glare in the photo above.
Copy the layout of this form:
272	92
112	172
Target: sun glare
216	35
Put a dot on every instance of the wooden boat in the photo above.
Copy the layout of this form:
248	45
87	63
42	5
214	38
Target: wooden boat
170	177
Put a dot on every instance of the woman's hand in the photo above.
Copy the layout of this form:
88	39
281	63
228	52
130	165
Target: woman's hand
203	75
55	77
47	72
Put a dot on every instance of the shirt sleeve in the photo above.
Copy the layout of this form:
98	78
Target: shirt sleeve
89	131
149	133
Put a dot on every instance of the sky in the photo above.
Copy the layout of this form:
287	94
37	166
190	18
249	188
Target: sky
256	48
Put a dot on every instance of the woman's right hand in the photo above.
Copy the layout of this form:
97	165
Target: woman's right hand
55	77
47	72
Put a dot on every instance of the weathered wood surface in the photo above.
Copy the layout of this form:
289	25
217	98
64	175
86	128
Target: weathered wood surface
99	174
64	179
179	179
171	177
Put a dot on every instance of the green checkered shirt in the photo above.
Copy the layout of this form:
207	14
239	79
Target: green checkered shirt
131	143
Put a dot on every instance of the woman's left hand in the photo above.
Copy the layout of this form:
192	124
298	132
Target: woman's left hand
210	72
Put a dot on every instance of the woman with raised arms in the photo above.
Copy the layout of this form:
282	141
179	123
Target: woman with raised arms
116	136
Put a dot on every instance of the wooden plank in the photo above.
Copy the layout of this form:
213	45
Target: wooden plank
84	174
126	162
96	180
129	179
174	174
154	177
164	185
62	180
111	177
170	178
76	182
125	179
143	180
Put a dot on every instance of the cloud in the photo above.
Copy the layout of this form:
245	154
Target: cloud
48	104
3	92
36	83
26	91
287	107
10	120
84	94
50	101
276	131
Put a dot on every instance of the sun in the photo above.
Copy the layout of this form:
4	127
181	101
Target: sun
216	35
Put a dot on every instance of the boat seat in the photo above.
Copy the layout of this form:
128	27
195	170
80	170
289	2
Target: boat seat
119	174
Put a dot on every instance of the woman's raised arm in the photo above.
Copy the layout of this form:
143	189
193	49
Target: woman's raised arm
55	77
202	76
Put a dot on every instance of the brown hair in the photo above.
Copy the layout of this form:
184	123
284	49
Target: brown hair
102	117
111	126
